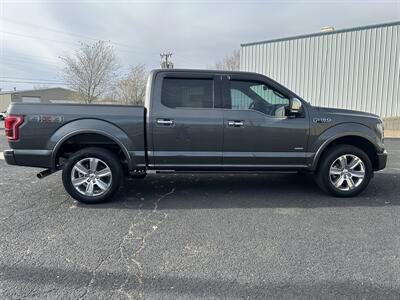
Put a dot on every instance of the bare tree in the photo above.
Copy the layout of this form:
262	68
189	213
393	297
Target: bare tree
230	62
131	89
90	70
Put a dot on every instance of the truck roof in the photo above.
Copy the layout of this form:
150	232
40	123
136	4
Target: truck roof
155	71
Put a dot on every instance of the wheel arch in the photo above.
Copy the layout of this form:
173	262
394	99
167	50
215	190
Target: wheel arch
361	137
94	127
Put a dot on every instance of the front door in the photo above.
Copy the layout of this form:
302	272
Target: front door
258	133
187	126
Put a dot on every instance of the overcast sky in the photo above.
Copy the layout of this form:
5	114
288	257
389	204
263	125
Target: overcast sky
35	33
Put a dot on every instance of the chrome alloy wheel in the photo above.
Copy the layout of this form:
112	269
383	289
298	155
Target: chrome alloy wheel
91	177
347	172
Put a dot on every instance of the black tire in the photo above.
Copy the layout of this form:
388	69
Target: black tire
324	178
109	159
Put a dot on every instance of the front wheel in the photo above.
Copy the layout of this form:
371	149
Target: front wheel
344	171
92	175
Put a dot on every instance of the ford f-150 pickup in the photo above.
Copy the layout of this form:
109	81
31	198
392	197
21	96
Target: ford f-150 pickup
193	120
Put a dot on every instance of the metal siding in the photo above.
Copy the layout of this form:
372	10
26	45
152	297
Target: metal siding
396	81
355	69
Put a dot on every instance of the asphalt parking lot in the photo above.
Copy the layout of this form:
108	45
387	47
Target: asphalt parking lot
203	236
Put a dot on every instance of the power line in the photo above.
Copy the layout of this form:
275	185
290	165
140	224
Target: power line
30	80
24	62
27	78
37	38
187	61
33	82
73	34
29	58
131	51
47	28
84	37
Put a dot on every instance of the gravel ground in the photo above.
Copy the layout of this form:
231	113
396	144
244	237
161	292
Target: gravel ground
203	236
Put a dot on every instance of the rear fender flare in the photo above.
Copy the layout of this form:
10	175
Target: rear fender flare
94	126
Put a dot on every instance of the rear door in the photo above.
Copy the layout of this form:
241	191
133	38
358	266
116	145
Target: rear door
187	121
258	133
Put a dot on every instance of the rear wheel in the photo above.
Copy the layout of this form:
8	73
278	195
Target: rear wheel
92	175
344	171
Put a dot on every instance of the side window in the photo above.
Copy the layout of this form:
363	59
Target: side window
251	95
187	92
239	100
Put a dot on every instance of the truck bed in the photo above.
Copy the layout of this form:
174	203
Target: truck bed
45	124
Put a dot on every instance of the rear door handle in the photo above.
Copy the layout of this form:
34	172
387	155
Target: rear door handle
235	123
165	122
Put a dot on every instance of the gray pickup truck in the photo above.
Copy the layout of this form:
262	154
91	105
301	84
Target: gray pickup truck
196	121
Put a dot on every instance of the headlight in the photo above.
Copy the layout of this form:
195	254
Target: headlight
380	129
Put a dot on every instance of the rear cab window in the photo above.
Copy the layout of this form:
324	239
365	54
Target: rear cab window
188	92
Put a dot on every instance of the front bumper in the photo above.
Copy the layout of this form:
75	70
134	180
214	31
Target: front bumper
29	158
382	159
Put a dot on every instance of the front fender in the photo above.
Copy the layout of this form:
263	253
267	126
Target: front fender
89	126
342	130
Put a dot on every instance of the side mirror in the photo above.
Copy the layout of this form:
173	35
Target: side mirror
295	106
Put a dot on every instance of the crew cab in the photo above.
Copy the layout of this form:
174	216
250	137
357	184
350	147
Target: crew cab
196	120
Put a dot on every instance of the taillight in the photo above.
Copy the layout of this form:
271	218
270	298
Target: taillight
11	125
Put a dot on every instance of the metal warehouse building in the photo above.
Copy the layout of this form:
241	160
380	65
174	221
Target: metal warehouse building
357	68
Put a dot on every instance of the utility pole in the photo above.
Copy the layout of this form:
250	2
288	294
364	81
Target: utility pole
165	63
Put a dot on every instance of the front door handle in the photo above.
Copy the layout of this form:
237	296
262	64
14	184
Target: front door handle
165	122
235	123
